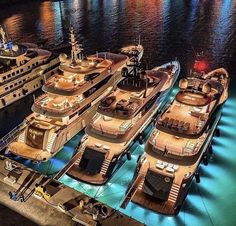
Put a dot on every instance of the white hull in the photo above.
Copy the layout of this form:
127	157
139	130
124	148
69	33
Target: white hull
31	82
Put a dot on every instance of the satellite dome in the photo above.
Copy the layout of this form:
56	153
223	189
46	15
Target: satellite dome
62	57
206	88
15	48
183	83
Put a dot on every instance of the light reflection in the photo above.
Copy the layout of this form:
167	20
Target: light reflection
13	26
47	21
223	25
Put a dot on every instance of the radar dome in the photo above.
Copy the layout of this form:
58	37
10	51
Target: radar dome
62	57
206	88
183	83
15	48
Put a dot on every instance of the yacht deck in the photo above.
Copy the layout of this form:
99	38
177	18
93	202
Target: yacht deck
74	79
184	119
25	151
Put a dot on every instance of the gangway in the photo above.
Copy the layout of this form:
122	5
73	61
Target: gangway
135	185
68	166
12	135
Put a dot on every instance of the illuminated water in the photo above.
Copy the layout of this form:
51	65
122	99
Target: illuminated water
168	29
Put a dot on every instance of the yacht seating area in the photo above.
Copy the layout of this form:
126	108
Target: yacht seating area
58	104
119	104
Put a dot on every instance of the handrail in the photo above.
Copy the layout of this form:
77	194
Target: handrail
9	137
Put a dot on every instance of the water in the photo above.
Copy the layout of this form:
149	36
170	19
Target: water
168	29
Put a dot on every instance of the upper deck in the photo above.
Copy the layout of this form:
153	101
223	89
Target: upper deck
56	106
74	79
181	129
189	113
131	94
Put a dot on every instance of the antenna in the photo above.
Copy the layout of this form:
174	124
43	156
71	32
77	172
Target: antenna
44	77
139	40
76	48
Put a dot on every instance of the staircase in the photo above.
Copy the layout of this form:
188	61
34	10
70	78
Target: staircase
174	191
140	187
12	135
51	141
105	166
77	162
21	137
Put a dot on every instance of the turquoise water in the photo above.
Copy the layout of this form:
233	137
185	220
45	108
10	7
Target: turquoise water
58	162
211	202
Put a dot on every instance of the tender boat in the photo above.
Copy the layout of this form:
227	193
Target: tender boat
120	119
181	140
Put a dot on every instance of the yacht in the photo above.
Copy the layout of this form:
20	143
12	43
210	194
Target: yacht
69	102
23	69
120	120
180	141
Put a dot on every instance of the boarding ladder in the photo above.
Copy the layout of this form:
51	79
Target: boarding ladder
12	135
174	191
51	141
77	162
105	166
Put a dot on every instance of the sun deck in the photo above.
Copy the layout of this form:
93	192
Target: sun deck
74	79
58	105
108	125
130	95
170	145
184	119
190	111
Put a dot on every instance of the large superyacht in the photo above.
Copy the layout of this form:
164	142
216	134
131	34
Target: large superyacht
69	103
181	140
120	120
23	68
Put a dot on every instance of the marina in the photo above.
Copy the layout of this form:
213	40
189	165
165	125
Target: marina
110	137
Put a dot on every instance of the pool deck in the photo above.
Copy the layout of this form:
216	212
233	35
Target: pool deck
46	212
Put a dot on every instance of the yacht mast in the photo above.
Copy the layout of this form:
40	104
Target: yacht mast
3	38
75	48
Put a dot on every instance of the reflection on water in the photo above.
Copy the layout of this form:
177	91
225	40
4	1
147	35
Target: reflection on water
168	28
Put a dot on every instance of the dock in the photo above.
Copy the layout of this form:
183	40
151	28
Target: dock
64	206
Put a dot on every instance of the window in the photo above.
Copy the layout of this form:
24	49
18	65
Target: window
9	76
96	87
11	86
20	82
4	77
84	109
71	116
6	88
14	95
21	70
15	84
13	73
